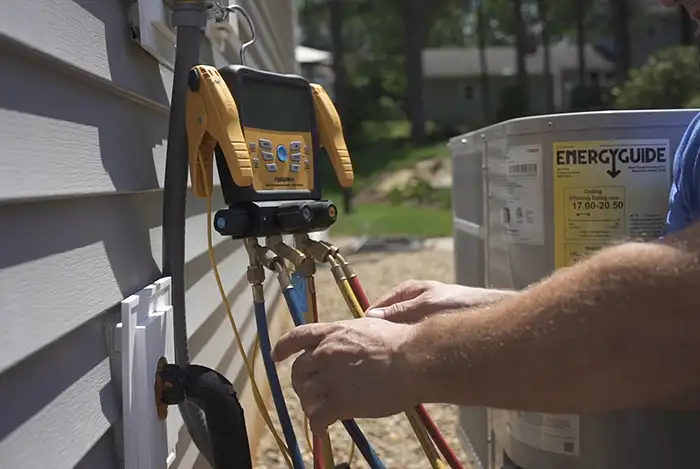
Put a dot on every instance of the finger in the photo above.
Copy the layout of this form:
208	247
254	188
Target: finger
405	312
404	291
300	338
321	416
303	369
312	392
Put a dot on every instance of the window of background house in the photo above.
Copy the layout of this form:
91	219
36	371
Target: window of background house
468	92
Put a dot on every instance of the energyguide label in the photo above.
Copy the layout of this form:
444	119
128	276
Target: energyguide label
608	191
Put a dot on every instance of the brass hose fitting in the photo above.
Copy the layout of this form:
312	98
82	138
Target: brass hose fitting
301	240
255	272
334	249
263	255
302	263
317	250
337	270
345	265
275	263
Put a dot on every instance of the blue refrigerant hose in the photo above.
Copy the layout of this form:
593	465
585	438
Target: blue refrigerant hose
351	426
275	386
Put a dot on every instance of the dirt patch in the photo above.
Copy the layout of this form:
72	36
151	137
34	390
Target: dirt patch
434	174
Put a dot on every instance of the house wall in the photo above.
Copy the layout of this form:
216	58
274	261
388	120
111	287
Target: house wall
83	126
448	103
651	31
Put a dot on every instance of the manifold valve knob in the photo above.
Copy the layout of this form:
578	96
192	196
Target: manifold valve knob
295	215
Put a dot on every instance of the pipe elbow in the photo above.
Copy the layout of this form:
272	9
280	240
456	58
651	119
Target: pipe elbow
215	396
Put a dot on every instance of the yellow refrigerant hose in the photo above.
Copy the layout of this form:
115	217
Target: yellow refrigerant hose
260	402
413	418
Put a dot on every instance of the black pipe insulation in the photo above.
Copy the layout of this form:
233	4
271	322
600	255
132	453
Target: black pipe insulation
189	17
210	391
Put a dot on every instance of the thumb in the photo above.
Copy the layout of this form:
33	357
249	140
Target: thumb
401	312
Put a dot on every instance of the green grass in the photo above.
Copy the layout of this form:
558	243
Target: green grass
385	219
385	148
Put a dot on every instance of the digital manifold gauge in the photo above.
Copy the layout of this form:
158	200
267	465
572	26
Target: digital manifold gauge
267	131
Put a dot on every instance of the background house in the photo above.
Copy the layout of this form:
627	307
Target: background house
652	28
452	76
317	66
83	125
452	90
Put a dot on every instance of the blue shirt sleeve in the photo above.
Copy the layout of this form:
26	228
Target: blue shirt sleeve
684	197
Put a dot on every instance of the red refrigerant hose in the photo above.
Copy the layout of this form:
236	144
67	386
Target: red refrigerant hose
430	425
317	441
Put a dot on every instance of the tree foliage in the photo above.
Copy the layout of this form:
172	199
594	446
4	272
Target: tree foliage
374	38
668	80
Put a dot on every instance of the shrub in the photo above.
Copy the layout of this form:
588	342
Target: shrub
669	79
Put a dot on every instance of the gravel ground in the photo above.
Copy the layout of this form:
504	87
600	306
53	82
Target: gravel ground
392	438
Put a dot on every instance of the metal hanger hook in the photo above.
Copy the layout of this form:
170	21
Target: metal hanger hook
251	26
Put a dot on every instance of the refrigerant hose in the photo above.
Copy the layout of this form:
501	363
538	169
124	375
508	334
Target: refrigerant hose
351	426
189	17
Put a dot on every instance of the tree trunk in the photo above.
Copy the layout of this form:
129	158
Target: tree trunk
414	27
485	94
543	10
521	54
687	36
581	40
621	13
341	76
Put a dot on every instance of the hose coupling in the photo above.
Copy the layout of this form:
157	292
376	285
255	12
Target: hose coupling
337	270
334	249
251	247
345	265
301	240
303	264
256	274
263	255
258	293
318	250
284	279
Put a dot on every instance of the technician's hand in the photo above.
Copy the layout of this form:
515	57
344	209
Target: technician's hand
415	300
349	369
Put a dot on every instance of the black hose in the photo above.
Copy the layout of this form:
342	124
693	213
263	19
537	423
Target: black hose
210	391
175	200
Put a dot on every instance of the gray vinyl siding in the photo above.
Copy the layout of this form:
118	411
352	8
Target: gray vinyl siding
83	134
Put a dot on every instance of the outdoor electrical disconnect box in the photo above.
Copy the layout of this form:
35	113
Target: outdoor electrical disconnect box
535	194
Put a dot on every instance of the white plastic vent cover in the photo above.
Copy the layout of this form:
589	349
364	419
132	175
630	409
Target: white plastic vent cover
143	337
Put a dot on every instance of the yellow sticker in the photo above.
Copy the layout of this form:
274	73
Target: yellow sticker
606	192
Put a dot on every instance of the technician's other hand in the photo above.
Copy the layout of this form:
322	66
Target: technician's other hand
349	369
415	300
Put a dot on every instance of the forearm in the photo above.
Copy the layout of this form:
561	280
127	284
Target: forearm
479	298
620	330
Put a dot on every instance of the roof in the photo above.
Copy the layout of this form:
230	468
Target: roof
308	55
460	62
